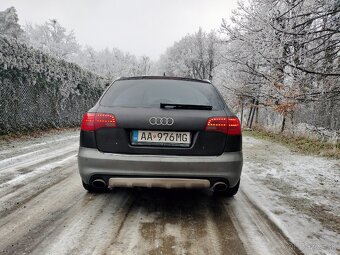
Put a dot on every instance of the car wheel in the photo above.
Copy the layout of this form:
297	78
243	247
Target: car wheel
229	192
92	189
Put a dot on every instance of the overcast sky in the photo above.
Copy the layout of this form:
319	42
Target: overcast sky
141	27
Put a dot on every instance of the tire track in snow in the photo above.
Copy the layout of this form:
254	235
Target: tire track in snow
74	223
30	164
16	195
88	231
20	150
24	228
14	163
46	211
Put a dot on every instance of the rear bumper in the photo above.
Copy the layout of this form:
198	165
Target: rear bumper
92	162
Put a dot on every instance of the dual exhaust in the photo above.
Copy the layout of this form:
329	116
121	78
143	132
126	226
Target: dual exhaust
220	186
99	183
158	182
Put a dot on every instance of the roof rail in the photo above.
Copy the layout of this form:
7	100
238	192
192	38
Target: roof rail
162	78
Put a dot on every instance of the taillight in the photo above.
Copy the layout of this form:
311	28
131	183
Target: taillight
226	125
88	122
234	126
94	121
104	120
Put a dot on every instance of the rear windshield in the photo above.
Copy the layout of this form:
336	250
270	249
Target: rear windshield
150	93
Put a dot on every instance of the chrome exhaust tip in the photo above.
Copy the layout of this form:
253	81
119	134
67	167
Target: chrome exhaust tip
220	186
99	183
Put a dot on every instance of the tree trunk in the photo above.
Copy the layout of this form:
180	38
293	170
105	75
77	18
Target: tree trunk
283	124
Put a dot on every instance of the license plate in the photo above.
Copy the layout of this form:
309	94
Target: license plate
160	138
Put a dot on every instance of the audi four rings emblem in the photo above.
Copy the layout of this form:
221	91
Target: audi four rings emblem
161	121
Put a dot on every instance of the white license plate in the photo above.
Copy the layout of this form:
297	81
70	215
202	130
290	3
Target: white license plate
161	138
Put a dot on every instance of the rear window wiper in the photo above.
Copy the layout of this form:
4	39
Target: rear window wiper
186	106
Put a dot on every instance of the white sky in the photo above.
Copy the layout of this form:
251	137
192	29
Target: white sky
141	27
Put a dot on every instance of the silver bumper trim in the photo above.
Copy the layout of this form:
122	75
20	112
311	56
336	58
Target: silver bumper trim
159	183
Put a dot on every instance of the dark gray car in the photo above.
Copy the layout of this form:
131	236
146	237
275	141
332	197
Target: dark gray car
166	132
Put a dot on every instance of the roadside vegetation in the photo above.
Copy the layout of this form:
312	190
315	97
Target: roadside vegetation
275	62
304	145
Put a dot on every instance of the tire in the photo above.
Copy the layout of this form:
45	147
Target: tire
229	192
92	189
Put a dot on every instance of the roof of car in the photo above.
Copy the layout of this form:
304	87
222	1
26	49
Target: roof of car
162	78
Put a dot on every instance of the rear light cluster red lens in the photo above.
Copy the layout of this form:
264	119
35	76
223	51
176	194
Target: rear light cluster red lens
226	125
94	121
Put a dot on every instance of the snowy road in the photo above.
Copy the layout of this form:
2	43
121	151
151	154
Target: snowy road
45	210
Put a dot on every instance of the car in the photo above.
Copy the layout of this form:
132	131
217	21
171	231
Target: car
159	131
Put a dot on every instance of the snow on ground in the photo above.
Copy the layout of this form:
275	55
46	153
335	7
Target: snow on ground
286	200
17	157
13	149
299	193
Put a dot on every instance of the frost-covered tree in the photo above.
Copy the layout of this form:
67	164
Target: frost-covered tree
193	56
53	39
113	63
9	23
144	65
284	52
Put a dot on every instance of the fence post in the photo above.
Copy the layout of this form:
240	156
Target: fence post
241	111
255	108
250	113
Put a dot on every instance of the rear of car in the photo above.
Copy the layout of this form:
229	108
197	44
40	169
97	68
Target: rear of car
160	132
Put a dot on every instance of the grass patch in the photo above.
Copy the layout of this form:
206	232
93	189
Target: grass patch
299	144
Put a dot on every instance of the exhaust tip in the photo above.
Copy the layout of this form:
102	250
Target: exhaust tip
220	186
99	183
